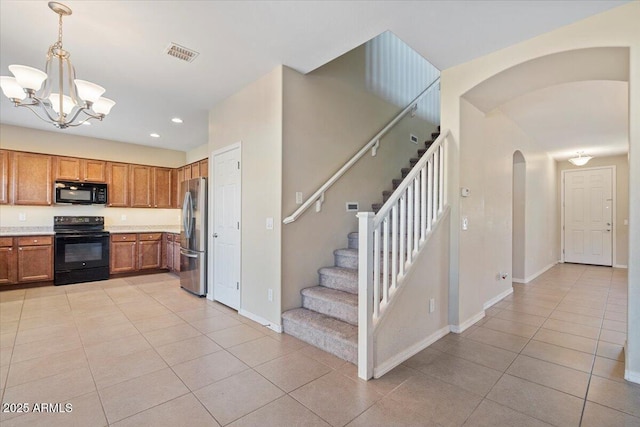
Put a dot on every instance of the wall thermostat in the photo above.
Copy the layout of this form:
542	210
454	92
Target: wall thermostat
465	192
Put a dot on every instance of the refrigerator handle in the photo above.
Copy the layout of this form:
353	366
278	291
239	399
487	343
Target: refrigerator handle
186	214
188	255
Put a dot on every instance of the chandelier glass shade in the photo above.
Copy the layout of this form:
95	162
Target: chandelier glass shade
43	92
581	160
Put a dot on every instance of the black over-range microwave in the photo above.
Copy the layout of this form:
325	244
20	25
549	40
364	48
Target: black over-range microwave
81	193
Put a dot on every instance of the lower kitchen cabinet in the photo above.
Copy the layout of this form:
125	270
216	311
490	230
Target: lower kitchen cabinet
124	249
26	259
8	262
150	251
172	252
131	252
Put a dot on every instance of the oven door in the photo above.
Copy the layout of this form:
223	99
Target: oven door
81	251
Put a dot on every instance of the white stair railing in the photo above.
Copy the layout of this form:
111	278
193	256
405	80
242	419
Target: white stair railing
317	198
390	241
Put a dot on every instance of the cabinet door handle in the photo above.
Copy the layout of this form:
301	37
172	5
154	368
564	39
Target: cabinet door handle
35	240
19	248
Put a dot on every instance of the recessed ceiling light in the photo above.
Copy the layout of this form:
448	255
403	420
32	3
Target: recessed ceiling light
176	120
154	135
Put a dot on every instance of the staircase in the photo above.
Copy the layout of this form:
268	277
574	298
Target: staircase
328	318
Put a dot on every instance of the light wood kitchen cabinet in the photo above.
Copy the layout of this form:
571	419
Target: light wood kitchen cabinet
118	184
162	188
172	252
168	252
93	170
66	169
4	177
203	166
150	251
141	184
31	179
35	258
124	250
8	262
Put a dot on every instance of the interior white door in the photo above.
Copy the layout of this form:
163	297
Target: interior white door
226	232
588	200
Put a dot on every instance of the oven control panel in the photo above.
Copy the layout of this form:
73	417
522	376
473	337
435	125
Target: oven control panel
78	220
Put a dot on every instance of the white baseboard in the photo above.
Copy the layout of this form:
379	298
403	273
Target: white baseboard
261	320
517	280
631	376
620	266
534	275
498	298
458	329
394	361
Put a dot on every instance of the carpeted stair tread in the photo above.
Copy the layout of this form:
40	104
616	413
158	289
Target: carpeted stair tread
353	238
330	334
347	258
330	302
340	278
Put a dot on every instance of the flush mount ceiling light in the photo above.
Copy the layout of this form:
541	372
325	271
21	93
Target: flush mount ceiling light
581	160
154	135
60	109
176	120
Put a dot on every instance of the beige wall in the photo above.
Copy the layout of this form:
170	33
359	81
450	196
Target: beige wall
198	153
253	117
617	27
62	144
410	327
328	117
622	200
42	216
486	168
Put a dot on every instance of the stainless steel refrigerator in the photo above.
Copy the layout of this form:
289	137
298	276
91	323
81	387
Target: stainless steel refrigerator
193	236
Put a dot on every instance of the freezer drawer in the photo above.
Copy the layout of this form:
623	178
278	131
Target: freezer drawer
193	271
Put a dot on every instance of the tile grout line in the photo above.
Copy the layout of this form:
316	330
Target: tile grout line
593	363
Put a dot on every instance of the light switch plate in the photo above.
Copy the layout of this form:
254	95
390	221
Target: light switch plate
298	197
269	223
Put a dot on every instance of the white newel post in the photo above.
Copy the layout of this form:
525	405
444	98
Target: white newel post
365	295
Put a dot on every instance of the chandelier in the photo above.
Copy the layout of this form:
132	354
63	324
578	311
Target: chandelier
84	100
581	160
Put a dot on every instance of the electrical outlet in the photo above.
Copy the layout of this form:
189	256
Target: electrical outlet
270	294
22	216
298	197
269	223
465	223
432	305
123	217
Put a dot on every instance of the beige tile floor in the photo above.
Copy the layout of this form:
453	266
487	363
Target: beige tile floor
142	352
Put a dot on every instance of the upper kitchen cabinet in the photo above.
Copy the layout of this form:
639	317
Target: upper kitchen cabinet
140	184
203	165
4	177
31	178
162	187
118	184
74	169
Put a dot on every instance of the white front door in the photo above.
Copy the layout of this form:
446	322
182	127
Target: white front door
226	227
588	201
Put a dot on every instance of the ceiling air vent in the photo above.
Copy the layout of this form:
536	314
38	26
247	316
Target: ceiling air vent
181	52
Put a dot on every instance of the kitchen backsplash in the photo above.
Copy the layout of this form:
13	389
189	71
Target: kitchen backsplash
42	216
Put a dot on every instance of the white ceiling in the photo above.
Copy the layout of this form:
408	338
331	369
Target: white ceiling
120	45
589	116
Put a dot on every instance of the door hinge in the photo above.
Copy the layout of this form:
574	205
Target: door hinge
238	225
238	165
563	251
238	286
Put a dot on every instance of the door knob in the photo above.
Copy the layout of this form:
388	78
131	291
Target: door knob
215	235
